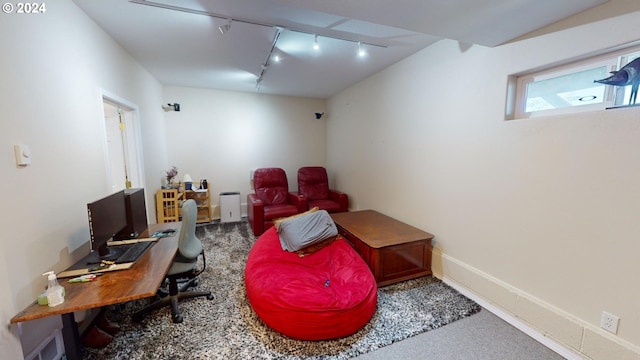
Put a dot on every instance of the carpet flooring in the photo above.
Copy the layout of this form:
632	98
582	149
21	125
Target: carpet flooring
227	328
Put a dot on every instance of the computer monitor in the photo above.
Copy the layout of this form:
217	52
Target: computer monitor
107	217
136	214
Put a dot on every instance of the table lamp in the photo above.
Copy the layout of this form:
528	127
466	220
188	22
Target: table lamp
188	182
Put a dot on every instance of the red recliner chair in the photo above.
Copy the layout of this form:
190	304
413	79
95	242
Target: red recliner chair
272	199
313	183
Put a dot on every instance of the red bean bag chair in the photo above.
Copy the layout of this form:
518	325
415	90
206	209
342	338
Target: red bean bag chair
326	294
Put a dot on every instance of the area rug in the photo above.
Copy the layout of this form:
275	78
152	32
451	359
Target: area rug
227	328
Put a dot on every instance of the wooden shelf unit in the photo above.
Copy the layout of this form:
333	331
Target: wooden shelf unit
169	203
202	198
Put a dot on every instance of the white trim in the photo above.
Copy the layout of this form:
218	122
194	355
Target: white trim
515	322
105	145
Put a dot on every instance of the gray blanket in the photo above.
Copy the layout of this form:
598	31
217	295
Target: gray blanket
306	230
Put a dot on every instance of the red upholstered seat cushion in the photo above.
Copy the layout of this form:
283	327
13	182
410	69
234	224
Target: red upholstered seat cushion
328	205
278	211
325	295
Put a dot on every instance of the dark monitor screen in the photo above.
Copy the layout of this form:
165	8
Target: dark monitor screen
107	217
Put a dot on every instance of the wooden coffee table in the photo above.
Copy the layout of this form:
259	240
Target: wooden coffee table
394	251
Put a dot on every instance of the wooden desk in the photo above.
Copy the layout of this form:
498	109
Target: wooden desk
140	281
394	251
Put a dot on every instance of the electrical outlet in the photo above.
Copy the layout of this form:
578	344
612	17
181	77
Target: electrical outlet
609	322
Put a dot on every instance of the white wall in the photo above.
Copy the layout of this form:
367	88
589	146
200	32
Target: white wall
53	68
539	217
57	67
223	135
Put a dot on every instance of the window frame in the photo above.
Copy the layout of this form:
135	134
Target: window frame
518	85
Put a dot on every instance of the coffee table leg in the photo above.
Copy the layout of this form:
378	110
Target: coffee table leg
71	337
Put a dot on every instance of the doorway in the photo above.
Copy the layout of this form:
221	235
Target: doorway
123	155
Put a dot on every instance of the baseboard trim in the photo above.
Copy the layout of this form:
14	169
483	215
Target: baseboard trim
517	323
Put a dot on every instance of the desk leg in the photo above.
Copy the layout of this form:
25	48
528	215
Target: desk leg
71	337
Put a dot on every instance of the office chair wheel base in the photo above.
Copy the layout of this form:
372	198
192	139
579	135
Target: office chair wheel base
210	297
177	319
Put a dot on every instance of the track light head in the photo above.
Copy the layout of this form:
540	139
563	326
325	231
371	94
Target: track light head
224	28
316	46
361	51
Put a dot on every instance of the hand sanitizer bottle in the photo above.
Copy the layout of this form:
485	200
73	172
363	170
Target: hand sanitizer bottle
55	292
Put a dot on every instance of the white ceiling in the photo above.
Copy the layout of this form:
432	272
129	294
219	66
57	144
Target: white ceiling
179	43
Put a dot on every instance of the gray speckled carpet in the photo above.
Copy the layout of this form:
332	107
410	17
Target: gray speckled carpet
227	328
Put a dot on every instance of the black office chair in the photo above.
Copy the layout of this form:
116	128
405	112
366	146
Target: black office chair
183	266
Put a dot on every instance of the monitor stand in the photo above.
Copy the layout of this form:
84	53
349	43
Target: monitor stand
106	253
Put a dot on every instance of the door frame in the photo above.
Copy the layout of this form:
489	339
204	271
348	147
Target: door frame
133	145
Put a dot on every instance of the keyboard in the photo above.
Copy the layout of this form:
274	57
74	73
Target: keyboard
134	251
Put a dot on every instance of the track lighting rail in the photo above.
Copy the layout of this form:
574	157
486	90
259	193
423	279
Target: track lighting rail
246	21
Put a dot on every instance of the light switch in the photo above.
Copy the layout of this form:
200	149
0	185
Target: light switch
23	155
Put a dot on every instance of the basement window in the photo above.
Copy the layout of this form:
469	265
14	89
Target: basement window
570	88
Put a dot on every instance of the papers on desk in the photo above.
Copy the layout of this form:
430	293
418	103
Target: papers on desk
85	271
82	267
164	233
130	241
